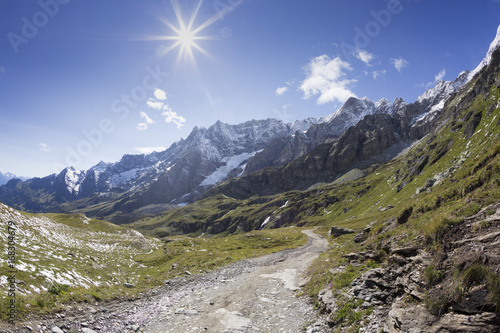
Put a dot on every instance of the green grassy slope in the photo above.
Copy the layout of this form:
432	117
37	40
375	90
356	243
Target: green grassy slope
59	259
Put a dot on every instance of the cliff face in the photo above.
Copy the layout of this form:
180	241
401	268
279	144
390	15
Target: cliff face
375	139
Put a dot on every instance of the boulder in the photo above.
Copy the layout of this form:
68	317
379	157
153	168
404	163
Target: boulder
337	231
411	251
416	319
88	330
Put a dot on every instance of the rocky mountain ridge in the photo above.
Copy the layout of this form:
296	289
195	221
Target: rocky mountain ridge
188	168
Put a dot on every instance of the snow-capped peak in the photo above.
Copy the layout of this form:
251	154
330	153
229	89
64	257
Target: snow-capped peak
384	106
302	125
354	107
73	179
443	90
486	61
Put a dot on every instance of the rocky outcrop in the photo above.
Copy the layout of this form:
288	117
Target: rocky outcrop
337	231
456	290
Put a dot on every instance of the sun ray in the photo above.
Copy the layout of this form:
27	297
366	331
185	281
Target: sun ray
185	35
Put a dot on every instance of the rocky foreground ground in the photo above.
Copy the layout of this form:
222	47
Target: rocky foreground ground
257	295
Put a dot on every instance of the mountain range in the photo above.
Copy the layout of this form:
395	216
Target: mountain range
5	177
140	185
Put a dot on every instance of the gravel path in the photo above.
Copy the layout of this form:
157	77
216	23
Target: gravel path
255	295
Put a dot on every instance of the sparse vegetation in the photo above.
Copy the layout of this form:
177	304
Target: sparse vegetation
118	256
432	276
437	226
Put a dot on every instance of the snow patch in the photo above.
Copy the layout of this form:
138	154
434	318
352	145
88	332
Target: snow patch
125	177
222	172
431	114
266	221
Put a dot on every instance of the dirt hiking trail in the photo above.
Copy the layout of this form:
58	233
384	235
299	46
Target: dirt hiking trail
256	295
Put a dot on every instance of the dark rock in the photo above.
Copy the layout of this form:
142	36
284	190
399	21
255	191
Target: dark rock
406	251
475	301
471	126
128	285
398	260
375	286
351	256
337	231
405	215
360	237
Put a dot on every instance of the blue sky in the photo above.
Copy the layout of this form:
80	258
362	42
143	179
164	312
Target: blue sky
85	81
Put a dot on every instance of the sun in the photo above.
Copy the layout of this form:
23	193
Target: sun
185	36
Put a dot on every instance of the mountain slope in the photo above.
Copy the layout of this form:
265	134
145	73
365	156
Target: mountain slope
51	249
286	149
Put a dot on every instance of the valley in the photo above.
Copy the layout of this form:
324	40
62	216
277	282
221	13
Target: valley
390	223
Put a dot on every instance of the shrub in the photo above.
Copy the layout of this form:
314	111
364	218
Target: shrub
475	275
58	288
431	276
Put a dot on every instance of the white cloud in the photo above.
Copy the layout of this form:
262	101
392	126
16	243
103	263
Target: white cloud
146	118
173	117
158	103
149	150
154	104
44	147
364	56
147	121
160	95
2	70
399	63
379	74
326	77
280	91
440	76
